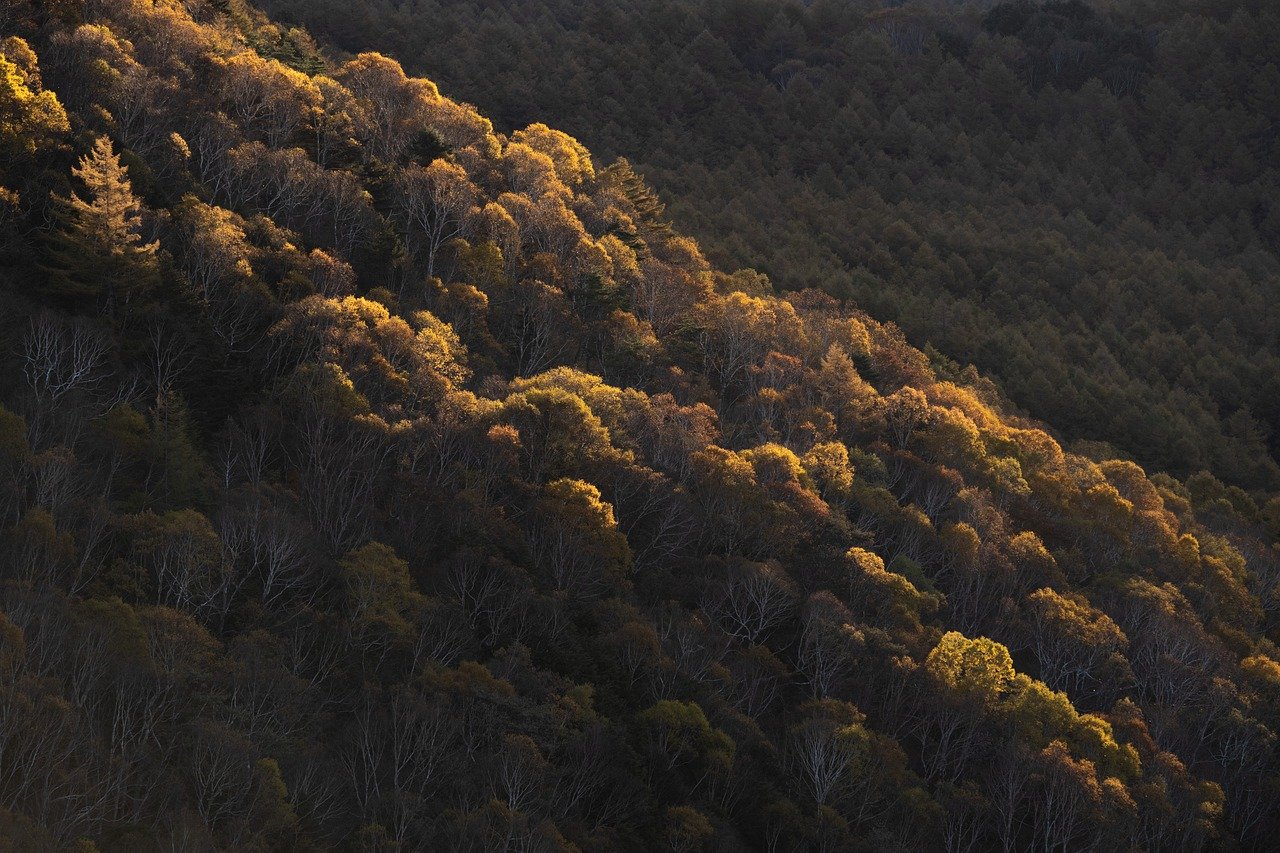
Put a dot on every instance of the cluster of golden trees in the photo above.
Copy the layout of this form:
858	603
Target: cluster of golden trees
1076	196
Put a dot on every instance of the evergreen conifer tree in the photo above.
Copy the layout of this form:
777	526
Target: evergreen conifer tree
96	251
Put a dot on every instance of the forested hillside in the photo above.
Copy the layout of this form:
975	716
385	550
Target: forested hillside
374	480
1079	198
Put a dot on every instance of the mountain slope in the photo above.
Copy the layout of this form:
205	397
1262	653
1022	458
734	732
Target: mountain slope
1077	198
373	480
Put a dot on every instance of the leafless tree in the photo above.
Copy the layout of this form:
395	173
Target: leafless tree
823	756
432	204
444	634
64	363
751	600
828	644
339	463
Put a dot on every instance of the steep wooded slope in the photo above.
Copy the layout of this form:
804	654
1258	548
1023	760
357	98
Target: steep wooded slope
1079	198
374	480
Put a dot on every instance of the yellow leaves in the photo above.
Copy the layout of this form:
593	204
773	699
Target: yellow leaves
954	438
388	358
683	252
1104	504
774	464
500	226
438	347
29	117
840	384
622	258
110	217
1073	616
1040	714
666	294
867	562
1224	574
746	281
379	589
530	172
827	464
620	410
390	108
571	161
1262	675
1188	551
951	436
952	396
267	97
579	503
1264	669
97	250
433	204
1037	449
459	126
1131	481
742	330
18	52
370	71
726	466
904	411
858	340
961	542
217	250
576	538
891	595
327	386
544	223
1044	717
558	431
1026	547
1095	738
980	669
682	734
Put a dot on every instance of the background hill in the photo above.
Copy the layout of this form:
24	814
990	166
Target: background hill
371	479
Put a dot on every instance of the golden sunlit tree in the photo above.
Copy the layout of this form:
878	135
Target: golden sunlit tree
97	254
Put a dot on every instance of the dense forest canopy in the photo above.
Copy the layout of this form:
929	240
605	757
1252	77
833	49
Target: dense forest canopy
1077	197
371	479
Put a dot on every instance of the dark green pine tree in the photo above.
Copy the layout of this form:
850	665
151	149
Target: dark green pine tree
95	254
650	211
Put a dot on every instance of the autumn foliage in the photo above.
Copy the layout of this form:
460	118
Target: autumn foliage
372	479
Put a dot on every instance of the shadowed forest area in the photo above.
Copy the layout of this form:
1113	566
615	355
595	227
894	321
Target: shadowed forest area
373	478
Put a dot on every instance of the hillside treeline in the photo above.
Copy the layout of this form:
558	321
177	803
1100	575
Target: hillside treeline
1079	198
373	480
